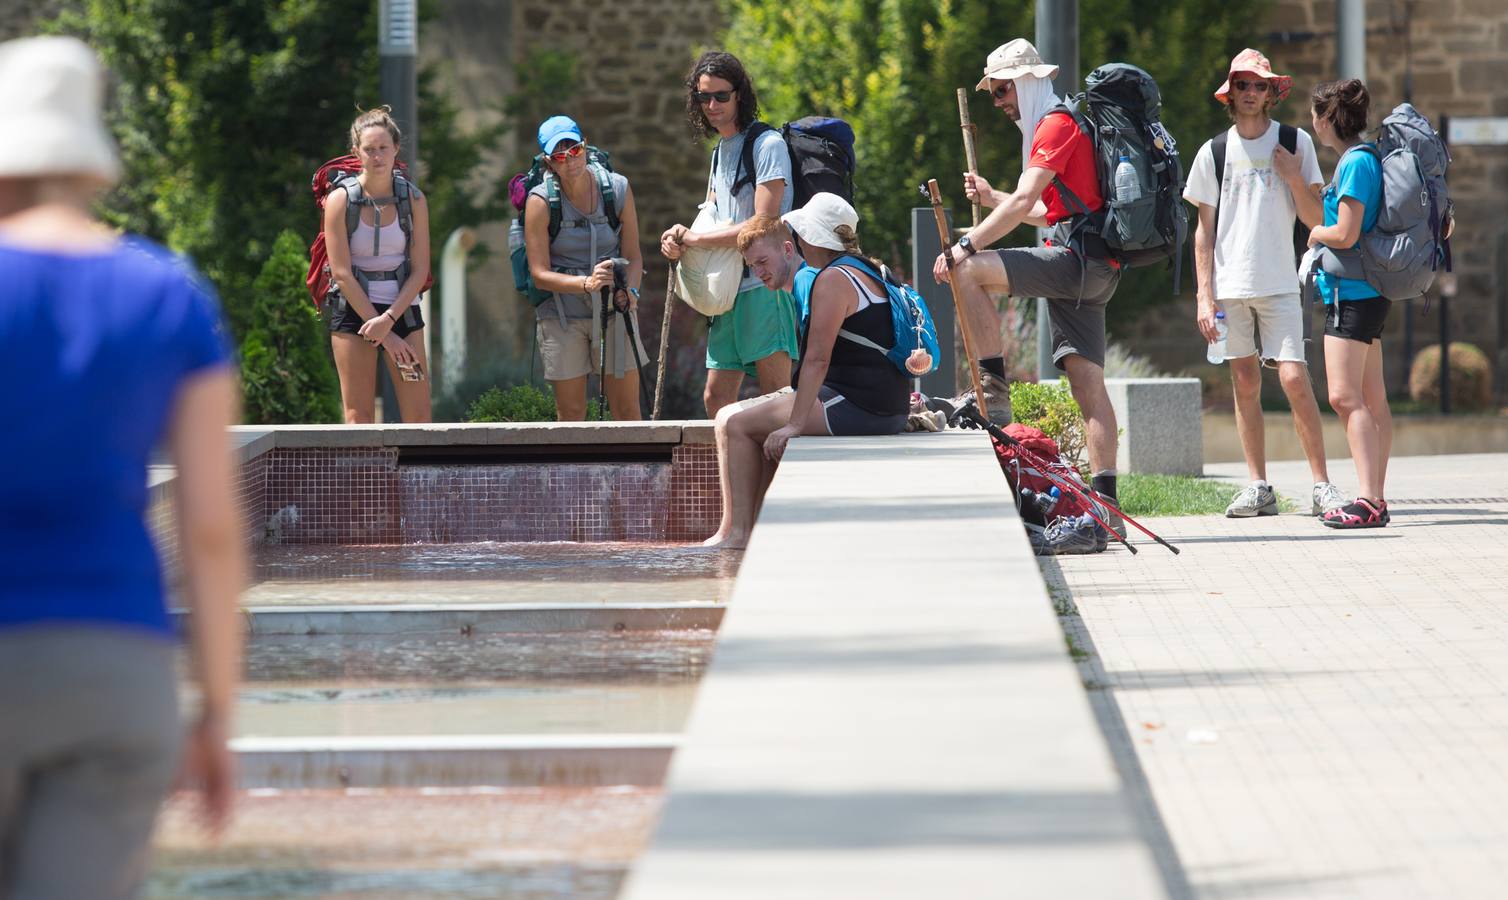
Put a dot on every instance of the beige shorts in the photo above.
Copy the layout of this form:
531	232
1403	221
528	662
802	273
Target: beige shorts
1278	319
575	350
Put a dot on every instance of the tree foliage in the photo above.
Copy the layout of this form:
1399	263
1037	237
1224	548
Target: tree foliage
287	375
891	68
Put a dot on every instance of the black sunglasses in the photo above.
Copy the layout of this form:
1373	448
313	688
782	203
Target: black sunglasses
705	97
1242	84
1000	92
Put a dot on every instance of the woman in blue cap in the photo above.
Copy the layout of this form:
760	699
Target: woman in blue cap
574	264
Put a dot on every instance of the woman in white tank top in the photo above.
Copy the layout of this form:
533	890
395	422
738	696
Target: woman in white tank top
378	300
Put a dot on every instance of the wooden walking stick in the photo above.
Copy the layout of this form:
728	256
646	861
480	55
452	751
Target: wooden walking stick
664	343
968	142
963	318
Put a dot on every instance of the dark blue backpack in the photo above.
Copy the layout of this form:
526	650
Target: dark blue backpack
909	315
822	157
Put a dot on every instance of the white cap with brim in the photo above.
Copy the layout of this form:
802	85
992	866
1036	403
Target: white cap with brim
818	221
1012	60
52	92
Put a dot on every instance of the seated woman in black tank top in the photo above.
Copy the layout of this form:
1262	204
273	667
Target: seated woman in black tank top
841	388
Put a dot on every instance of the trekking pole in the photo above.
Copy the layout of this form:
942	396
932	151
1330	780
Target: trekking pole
633	344
935	196
972	414
607	306
664	342
968	142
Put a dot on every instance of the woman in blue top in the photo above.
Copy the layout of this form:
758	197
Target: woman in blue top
1357	313
112	347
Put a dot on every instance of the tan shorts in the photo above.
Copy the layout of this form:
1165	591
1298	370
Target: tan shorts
575	350
1278	319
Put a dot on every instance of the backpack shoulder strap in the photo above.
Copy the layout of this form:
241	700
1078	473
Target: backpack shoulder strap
403	191
355	199
552	197
1217	152
744	174
1288	138
609	196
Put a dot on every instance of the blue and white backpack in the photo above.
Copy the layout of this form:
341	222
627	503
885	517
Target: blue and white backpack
914	329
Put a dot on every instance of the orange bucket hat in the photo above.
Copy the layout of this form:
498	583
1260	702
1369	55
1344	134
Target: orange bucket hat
1249	60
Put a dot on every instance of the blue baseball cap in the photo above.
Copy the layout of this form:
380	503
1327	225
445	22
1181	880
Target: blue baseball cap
556	129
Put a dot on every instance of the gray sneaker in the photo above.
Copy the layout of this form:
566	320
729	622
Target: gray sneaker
1327	497
1068	536
997	396
1253	500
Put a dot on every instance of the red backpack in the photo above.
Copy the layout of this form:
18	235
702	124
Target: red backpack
1023	473
341	173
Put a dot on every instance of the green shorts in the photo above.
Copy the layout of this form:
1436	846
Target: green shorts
762	322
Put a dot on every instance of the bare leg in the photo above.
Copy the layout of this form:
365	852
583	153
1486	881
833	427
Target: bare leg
623	396
413	396
1345	368
356	364
722	389
1246	379
1375	395
1087	380
1294	377
570	399
743	466
978	278
774	372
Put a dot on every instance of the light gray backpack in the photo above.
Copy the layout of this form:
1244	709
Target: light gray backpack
1408	244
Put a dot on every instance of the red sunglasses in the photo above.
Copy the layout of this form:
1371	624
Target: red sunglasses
570	152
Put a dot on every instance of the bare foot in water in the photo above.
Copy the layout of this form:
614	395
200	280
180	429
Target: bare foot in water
732	541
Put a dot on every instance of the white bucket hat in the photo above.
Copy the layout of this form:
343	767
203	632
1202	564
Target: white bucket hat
817	222
1012	60
51	94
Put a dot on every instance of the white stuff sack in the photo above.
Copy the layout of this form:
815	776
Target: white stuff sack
707	278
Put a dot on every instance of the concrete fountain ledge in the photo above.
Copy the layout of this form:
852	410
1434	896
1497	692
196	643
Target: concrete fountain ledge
891	711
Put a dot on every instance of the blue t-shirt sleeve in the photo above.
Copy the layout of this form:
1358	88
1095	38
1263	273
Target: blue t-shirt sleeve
801	290
1359	176
199	332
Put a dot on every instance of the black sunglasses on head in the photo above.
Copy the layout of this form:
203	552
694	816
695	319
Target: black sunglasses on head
705	97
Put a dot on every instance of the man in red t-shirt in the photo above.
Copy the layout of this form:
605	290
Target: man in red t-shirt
1077	284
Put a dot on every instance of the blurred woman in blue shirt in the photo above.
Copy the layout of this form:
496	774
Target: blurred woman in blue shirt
112	346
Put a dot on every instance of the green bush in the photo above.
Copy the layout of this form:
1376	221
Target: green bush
287	374
520	403
1470	378
1050	407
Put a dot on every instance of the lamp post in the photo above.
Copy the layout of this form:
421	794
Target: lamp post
1058	42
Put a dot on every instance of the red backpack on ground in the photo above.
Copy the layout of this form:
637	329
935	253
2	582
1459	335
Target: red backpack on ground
1023	473
341	173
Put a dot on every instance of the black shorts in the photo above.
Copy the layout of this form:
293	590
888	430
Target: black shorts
345	319
845	418
1357	320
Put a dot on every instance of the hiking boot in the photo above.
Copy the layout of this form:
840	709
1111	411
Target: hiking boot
1253	500
997	396
1067	536
1326	497
1359	513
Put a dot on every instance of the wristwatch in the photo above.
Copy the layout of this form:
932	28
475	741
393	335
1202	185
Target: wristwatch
967	246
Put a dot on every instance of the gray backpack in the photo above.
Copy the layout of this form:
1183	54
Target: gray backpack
1402	252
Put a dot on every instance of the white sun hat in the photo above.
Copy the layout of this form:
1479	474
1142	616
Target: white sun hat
818	221
52	93
1012	60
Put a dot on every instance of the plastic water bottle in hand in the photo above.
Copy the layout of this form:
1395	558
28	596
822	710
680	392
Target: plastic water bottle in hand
1127	185
1216	352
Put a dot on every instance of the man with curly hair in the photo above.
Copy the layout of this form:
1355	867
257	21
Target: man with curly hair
758	335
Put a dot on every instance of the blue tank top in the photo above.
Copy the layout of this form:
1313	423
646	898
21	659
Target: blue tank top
96	345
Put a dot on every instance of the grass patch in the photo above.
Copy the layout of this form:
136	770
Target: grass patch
1179	495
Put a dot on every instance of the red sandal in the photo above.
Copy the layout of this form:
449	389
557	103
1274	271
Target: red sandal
1359	513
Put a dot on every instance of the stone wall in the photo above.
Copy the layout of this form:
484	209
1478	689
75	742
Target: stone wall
1459	54
632	58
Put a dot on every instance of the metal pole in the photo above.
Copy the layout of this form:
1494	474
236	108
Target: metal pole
398	47
1058	42
924	249
1351	39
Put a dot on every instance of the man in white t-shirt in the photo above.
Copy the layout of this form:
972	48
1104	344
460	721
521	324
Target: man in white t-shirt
1246	266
